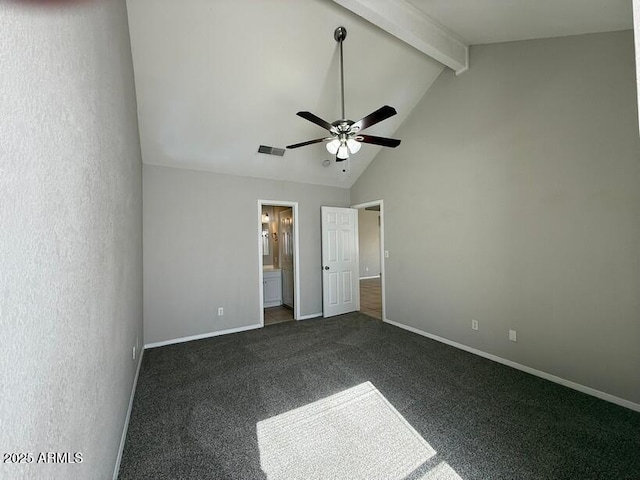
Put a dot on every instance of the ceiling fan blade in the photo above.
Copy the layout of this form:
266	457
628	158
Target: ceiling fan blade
310	142
379	115
317	120
385	142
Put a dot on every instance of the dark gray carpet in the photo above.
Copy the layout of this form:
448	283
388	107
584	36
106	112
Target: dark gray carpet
197	405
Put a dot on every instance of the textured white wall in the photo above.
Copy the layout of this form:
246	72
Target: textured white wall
201	248
636	30
514	199
70	235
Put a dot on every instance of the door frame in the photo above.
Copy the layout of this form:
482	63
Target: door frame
383	269
296	256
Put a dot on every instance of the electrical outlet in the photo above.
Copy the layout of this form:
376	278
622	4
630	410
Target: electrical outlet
220	311
386	254
512	336
474	324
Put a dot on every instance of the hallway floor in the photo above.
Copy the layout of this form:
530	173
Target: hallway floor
371	297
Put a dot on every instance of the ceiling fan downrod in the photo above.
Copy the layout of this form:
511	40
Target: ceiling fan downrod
340	34
338	145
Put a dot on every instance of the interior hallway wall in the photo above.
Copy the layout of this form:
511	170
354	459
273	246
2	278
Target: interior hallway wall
514	199
70	234
369	242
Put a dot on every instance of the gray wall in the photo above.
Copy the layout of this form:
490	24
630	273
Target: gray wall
201	248
514	199
71	236
369	242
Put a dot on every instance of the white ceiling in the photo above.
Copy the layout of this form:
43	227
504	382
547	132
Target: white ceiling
491	21
217	78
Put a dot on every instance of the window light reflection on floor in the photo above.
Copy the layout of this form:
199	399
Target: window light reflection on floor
355	434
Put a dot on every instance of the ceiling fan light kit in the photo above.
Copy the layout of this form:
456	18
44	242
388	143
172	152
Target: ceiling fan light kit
333	146
345	139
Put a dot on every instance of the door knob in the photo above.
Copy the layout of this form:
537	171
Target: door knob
326	268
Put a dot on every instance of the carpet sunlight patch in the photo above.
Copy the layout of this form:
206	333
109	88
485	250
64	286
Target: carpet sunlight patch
355	434
441	471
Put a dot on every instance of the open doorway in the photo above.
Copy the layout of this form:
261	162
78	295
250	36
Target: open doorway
278	250
371	258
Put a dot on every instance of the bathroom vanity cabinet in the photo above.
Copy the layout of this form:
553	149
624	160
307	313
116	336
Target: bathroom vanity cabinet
272	287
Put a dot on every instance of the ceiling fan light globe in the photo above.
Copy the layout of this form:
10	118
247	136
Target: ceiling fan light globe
333	146
343	152
353	145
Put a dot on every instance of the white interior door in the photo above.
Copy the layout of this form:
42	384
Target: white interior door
340	273
286	255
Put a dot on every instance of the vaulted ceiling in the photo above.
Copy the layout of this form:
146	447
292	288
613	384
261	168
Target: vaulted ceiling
217	78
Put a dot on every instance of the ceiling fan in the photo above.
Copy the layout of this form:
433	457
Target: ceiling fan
345	136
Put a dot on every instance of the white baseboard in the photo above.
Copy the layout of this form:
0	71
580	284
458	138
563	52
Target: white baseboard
126	420
201	336
538	373
369	278
308	317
